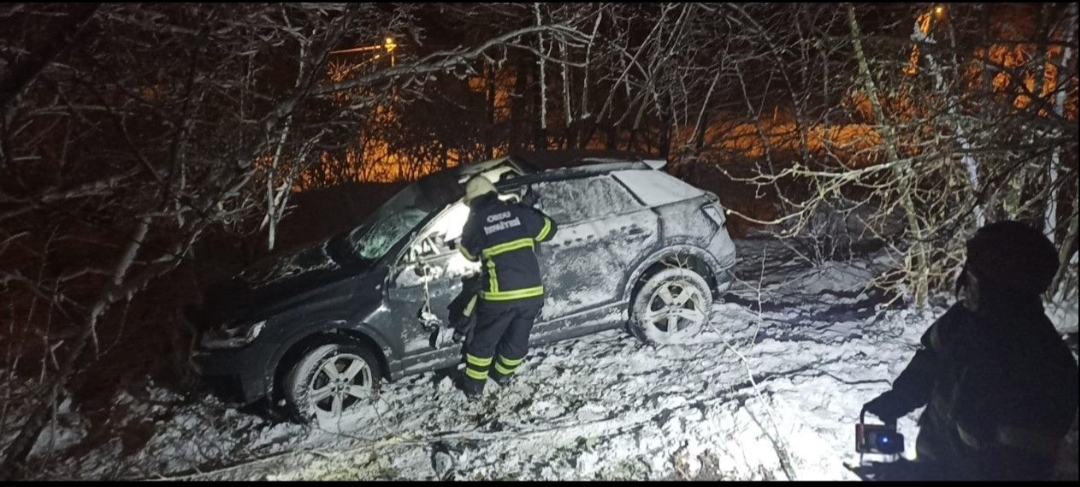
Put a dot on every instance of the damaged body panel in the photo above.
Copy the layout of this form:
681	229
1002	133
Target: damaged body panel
383	285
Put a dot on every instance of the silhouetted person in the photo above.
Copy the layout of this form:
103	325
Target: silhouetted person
998	381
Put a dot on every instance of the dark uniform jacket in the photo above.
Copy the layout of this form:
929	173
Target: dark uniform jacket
504	237
1000	389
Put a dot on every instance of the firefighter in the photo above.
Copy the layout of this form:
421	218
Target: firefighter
504	237
998	381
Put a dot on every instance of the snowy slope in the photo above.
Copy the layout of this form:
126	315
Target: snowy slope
771	391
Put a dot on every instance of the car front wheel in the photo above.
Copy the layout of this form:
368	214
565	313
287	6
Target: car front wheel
673	305
331	381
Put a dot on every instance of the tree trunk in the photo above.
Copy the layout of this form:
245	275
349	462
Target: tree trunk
918	276
665	136
519	105
542	135
1063	79
587	120
20	447
489	133
568	109
1068	248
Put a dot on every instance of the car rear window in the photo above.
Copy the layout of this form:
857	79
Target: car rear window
656	188
574	200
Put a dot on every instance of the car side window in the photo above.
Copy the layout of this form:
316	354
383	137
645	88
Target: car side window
610	198
436	237
575	200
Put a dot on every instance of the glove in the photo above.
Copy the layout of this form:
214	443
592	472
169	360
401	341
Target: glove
530	198
885	407
461	329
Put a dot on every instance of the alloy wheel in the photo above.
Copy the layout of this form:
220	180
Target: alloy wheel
675	306
340	382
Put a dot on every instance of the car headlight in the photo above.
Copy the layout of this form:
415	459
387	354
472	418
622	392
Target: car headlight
232	335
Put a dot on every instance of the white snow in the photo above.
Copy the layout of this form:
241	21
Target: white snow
458	266
452	266
577	200
656	188
770	390
1061	309
299	262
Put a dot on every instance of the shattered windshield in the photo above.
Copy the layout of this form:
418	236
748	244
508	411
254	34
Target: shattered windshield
395	218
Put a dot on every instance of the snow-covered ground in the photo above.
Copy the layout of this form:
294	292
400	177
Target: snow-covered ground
772	390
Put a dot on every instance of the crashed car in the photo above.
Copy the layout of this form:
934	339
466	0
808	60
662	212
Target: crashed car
315	331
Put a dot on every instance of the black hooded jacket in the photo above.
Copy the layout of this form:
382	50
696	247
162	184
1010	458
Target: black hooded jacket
1000	389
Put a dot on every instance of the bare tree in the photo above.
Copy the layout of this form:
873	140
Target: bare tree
131	133
133	137
928	141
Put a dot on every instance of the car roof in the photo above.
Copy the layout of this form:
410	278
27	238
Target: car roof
577	158
560	165
511	172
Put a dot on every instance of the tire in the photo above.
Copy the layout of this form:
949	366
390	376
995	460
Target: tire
331	381
672	305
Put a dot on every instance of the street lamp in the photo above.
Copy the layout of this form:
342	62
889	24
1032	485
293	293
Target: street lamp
388	44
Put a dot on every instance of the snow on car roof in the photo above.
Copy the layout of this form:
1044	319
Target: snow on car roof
656	188
576	158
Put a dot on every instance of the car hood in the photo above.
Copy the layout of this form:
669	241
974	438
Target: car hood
276	284
315	259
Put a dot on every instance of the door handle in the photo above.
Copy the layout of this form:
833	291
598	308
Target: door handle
636	231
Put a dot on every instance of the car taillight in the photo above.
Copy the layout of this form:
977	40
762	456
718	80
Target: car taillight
715	213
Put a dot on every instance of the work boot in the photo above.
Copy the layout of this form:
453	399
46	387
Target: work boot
473	389
503	380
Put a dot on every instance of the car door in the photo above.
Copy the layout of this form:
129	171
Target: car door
430	271
603	232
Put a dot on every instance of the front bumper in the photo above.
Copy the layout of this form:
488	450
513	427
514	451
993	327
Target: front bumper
241	374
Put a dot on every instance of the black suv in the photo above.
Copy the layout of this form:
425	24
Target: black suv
319	328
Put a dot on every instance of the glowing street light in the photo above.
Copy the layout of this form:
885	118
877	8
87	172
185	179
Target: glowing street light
357	49
339	71
388	44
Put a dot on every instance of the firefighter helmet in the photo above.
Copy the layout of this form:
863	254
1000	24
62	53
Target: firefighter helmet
477	187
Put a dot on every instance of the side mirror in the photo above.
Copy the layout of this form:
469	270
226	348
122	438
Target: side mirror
421	269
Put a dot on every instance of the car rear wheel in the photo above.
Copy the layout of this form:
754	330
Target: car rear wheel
331	381
672	305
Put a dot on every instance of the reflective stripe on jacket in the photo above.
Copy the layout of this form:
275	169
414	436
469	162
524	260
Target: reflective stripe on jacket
504	237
